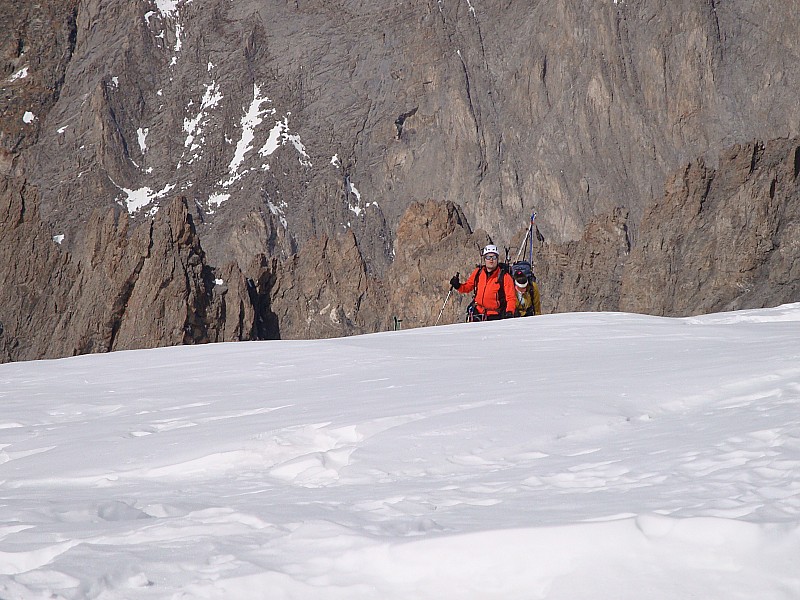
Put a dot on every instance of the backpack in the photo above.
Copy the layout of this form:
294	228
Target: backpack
523	267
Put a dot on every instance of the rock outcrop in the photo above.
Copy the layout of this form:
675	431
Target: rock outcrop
434	241
721	239
121	290
30	275
586	274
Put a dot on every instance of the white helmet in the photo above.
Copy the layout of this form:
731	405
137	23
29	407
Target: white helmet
490	249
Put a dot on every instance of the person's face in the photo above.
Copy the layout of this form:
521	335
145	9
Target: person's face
490	260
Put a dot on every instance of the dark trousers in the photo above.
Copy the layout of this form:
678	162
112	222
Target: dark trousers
474	316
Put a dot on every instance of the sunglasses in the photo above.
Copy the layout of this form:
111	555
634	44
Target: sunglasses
490	257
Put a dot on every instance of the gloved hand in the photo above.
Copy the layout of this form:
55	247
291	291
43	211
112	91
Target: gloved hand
508	315
454	282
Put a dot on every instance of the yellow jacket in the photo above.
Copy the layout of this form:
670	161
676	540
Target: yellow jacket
529	301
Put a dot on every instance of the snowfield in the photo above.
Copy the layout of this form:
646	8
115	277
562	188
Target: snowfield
607	456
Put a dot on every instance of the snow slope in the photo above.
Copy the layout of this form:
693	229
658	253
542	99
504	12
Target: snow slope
604	456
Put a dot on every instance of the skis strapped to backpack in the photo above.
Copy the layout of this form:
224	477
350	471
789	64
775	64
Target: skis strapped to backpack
525	267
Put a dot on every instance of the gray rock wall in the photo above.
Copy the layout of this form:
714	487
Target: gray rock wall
722	239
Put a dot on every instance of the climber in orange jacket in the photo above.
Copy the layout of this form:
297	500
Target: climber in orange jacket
495	297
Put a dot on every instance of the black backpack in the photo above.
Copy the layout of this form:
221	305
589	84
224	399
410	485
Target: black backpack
522	267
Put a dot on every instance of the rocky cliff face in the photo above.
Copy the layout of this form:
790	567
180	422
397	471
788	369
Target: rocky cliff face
120	290
721	239
347	157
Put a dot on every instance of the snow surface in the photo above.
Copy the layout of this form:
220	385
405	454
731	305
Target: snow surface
141	136
251	119
194	126
573	456
216	200
139	198
21	74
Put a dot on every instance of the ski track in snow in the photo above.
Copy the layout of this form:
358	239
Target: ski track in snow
385	466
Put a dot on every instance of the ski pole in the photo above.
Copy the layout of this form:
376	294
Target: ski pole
533	218
450	291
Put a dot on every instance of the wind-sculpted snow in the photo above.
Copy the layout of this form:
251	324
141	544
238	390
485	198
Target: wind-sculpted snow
567	456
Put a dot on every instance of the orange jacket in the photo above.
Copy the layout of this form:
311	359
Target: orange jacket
487	298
